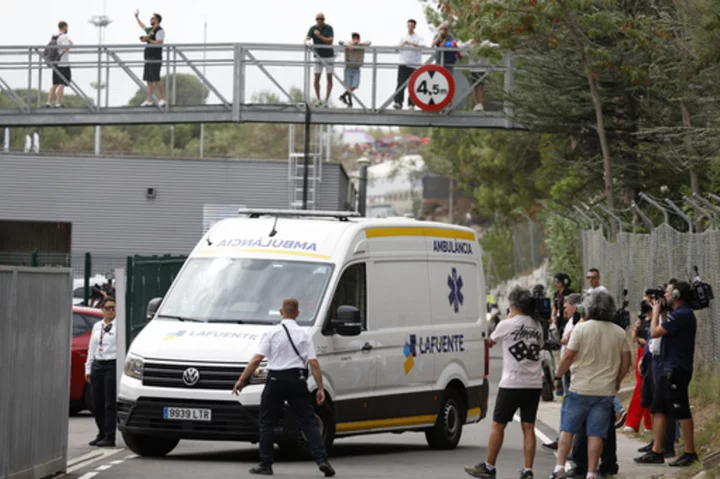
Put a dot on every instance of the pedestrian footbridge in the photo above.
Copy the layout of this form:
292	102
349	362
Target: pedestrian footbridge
261	83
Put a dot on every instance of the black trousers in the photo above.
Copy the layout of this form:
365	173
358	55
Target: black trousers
608	459
648	392
104	392
287	386
404	73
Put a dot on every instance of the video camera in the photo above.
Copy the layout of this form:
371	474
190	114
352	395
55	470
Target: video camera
700	293
542	311
622	315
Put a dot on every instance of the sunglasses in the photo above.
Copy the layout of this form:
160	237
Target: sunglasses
320	18
109	308
591	277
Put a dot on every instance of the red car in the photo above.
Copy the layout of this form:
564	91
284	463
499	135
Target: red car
83	320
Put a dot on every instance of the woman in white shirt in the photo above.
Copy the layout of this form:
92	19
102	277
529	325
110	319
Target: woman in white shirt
100	373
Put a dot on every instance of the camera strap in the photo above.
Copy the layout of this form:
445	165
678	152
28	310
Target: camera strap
292	343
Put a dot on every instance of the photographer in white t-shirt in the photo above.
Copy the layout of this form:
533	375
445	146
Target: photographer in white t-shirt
521	338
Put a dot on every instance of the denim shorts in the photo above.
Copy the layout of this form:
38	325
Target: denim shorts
594	411
352	77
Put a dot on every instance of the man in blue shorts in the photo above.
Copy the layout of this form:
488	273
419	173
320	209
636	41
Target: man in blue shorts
598	356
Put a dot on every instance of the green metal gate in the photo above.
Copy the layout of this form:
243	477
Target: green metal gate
148	277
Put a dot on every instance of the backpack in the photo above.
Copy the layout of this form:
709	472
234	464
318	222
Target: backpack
52	55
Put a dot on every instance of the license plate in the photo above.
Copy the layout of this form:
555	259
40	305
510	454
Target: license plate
187	414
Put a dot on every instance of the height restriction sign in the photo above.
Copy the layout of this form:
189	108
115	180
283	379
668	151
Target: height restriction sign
431	87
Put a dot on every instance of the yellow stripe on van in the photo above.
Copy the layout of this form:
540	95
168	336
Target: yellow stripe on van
419	231
266	251
476	411
385	423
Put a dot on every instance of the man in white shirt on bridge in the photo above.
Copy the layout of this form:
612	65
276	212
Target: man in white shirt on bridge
410	59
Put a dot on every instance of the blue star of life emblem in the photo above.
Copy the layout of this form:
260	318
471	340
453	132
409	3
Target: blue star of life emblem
455	297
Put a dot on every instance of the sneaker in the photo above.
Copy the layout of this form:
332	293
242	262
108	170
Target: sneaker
95	441
646	448
146	103
669	454
576	472
479	107
559	475
105	443
606	470
629	429
262	470
551	446
59	105
411	107
481	470
650	458
162	103
685	460
397	106
526	474
326	469
621	420
48	105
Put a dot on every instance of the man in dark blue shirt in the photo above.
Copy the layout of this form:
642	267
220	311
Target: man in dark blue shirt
670	396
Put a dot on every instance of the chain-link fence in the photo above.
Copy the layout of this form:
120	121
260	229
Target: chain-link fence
639	261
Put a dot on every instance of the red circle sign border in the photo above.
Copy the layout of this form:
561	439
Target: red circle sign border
451	87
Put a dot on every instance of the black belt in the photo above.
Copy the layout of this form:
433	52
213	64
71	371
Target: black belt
105	361
292	374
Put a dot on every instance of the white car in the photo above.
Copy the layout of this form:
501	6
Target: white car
393	307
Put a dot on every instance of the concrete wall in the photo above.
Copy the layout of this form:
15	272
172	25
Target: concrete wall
105	198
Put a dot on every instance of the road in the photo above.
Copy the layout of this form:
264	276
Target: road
383	455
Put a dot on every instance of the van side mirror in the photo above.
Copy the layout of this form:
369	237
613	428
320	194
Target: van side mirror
152	308
348	322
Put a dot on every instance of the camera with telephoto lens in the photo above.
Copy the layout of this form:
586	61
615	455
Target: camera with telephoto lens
658	294
700	293
542	311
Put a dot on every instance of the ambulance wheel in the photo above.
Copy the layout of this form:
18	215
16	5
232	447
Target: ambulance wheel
326	422
448	426
149	446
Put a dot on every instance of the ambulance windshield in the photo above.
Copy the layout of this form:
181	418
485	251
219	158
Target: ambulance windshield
246	290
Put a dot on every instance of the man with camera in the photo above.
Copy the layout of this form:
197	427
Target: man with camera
598	357
677	351
520	386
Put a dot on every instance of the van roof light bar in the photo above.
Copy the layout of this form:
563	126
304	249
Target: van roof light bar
339	215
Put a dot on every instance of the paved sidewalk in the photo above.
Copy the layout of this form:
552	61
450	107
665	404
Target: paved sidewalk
549	422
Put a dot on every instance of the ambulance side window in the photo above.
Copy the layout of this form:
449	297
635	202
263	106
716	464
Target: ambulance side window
351	291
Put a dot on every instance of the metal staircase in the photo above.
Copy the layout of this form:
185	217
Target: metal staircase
320	147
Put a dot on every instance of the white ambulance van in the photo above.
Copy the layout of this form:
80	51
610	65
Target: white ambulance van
395	308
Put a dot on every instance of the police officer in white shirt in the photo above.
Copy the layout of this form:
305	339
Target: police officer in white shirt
100	373
289	351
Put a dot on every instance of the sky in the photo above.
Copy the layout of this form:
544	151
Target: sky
267	21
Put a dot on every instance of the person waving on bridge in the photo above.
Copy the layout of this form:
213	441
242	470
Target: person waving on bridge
154	35
322	34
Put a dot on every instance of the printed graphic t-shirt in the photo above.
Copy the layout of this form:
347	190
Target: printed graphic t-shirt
521	339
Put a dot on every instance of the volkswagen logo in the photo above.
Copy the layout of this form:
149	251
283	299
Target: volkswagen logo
191	376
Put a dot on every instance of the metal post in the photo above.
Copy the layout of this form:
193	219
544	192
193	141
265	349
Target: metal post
34	258
174	77
40	65
202	90
107	79
362	185
702	212
450	201
656	205
680	213
29	85
642	216
374	80
306	158
86	279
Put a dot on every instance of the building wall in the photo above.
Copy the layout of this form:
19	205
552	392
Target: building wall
105	198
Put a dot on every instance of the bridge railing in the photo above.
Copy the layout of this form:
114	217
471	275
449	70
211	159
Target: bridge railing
106	77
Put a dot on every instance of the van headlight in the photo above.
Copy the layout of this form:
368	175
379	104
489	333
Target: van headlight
134	367
261	373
